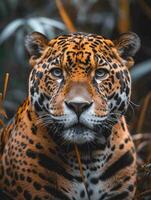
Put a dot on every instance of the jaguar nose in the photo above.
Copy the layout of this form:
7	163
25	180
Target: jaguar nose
78	107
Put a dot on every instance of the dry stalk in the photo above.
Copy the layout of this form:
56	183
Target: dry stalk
5	85
80	167
2	98
124	18
65	17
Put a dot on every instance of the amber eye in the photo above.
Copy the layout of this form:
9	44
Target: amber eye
57	72
101	73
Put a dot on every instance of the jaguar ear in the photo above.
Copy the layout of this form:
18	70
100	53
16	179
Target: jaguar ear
127	44
35	44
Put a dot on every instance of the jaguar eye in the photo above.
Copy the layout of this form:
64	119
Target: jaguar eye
57	72
101	73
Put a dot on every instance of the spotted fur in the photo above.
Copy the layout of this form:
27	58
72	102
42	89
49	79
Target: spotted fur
79	90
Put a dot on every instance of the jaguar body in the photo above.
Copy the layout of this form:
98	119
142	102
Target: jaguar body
79	91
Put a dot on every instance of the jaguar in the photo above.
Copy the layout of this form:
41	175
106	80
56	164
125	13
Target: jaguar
79	91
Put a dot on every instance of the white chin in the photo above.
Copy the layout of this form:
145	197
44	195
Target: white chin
72	135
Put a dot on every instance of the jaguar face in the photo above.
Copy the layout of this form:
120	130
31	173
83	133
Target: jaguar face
80	82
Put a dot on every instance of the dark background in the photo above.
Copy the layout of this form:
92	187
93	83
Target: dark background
106	17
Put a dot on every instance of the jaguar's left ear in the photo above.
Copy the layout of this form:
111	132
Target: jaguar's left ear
127	45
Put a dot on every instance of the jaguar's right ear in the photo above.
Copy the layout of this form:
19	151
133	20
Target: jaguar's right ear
127	44
35	44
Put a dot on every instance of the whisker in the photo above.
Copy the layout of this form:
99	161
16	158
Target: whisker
131	106
134	104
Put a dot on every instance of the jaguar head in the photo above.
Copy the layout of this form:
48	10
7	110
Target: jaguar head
80	82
